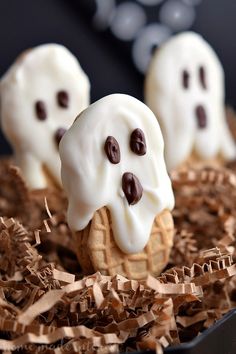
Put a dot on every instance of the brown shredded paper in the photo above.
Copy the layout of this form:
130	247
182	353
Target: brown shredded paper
47	306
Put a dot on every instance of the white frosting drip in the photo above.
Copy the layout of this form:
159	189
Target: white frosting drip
38	74
91	181
175	106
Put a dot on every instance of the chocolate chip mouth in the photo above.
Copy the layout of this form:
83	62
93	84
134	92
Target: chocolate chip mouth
59	134
201	116
132	188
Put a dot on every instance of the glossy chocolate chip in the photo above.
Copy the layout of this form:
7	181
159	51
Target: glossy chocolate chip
112	150
202	77
40	110
63	99
201	117
59	134
138	142
185	79
132	188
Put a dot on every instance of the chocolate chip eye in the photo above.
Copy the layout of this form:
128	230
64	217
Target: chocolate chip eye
40	110
138	142
63	99
185	79
202	77
112	150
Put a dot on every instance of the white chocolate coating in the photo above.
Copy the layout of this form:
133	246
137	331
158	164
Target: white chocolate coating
38	75
91	181
175	106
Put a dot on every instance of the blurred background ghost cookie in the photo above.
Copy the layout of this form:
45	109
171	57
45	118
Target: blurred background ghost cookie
41	94
185	89
119	192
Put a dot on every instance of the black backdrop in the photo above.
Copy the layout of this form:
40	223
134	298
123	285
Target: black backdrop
106	60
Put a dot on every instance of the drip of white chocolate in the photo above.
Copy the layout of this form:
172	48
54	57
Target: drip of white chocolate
92	181
41	94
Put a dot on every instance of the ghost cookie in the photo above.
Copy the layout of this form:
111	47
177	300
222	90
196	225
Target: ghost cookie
185	89
119	192
41	94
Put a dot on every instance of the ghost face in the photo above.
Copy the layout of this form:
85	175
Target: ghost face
41	95
113	156
185	89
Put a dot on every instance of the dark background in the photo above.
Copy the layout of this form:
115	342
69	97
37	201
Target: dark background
106	60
